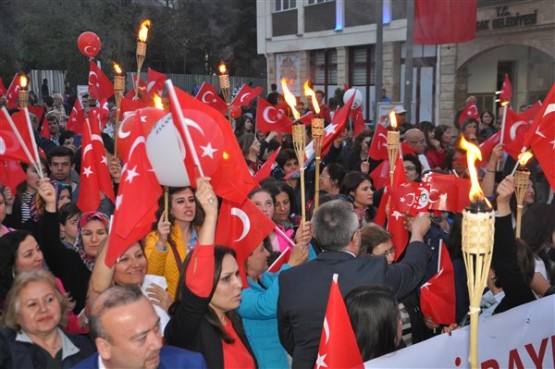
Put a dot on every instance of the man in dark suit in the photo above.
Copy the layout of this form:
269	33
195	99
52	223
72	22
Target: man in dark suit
126	331
304	290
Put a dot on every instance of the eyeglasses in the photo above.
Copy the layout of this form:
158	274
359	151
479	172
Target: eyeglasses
410	168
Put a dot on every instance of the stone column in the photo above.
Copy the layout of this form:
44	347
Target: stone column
448	84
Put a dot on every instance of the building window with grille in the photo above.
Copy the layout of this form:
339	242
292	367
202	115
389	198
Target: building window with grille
285	5
362	66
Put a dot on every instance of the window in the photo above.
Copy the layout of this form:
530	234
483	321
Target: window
362	66
285	5
323	65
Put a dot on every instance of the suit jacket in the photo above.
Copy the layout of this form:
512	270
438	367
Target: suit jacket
170	358
304	291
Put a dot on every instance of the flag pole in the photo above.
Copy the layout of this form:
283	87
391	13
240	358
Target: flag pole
166	202
505	104
20	139
32	134
189	140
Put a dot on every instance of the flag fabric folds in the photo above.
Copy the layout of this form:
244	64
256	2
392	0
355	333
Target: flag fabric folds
444	22
208	95
137	200
242	227
76	118
100	86
11	148
338	344
246	95
269	118
437	295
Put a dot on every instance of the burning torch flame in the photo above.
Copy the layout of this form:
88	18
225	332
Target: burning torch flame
143	30
117	69
309	92
23	81
290	99
473	153
524	157
222	68
158	104
393	119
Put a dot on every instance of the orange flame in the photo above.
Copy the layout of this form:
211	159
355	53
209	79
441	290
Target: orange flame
117	68
143	30
473	153
523	157
393	119
23	80
506	102
158	103
290	99
222	68
310	92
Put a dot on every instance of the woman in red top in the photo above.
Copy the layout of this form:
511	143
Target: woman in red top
204	317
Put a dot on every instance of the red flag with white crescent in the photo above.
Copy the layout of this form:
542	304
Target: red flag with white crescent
100	86
243	228
338	345
246	95
208	95
269	118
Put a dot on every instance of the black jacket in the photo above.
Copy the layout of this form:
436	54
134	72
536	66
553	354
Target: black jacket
304	291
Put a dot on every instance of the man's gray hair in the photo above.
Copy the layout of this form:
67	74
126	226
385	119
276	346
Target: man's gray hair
334	224
113	297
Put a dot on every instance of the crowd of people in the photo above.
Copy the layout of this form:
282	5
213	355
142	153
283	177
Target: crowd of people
176	299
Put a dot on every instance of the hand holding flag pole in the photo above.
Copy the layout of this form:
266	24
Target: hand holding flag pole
188	139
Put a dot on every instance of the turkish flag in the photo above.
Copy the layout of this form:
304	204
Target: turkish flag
358	121
266	169
338	344
283	258
142	88
547	107
130	105
333	130
269	118
447	192
12	94
155	82
145	117
542	139
506	90
100	156
378	146
45	130
89	188
529	114
245	95
37	111
217	149
100	86
437	296
76	118
11	147
488	145
208	95
406	197
11	174
132	218
243	228
515	131
444	22
470	111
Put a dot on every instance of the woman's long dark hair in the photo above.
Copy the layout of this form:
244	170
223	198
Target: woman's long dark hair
374	315
219	253
9	244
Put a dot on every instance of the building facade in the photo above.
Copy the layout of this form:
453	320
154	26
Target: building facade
332	43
